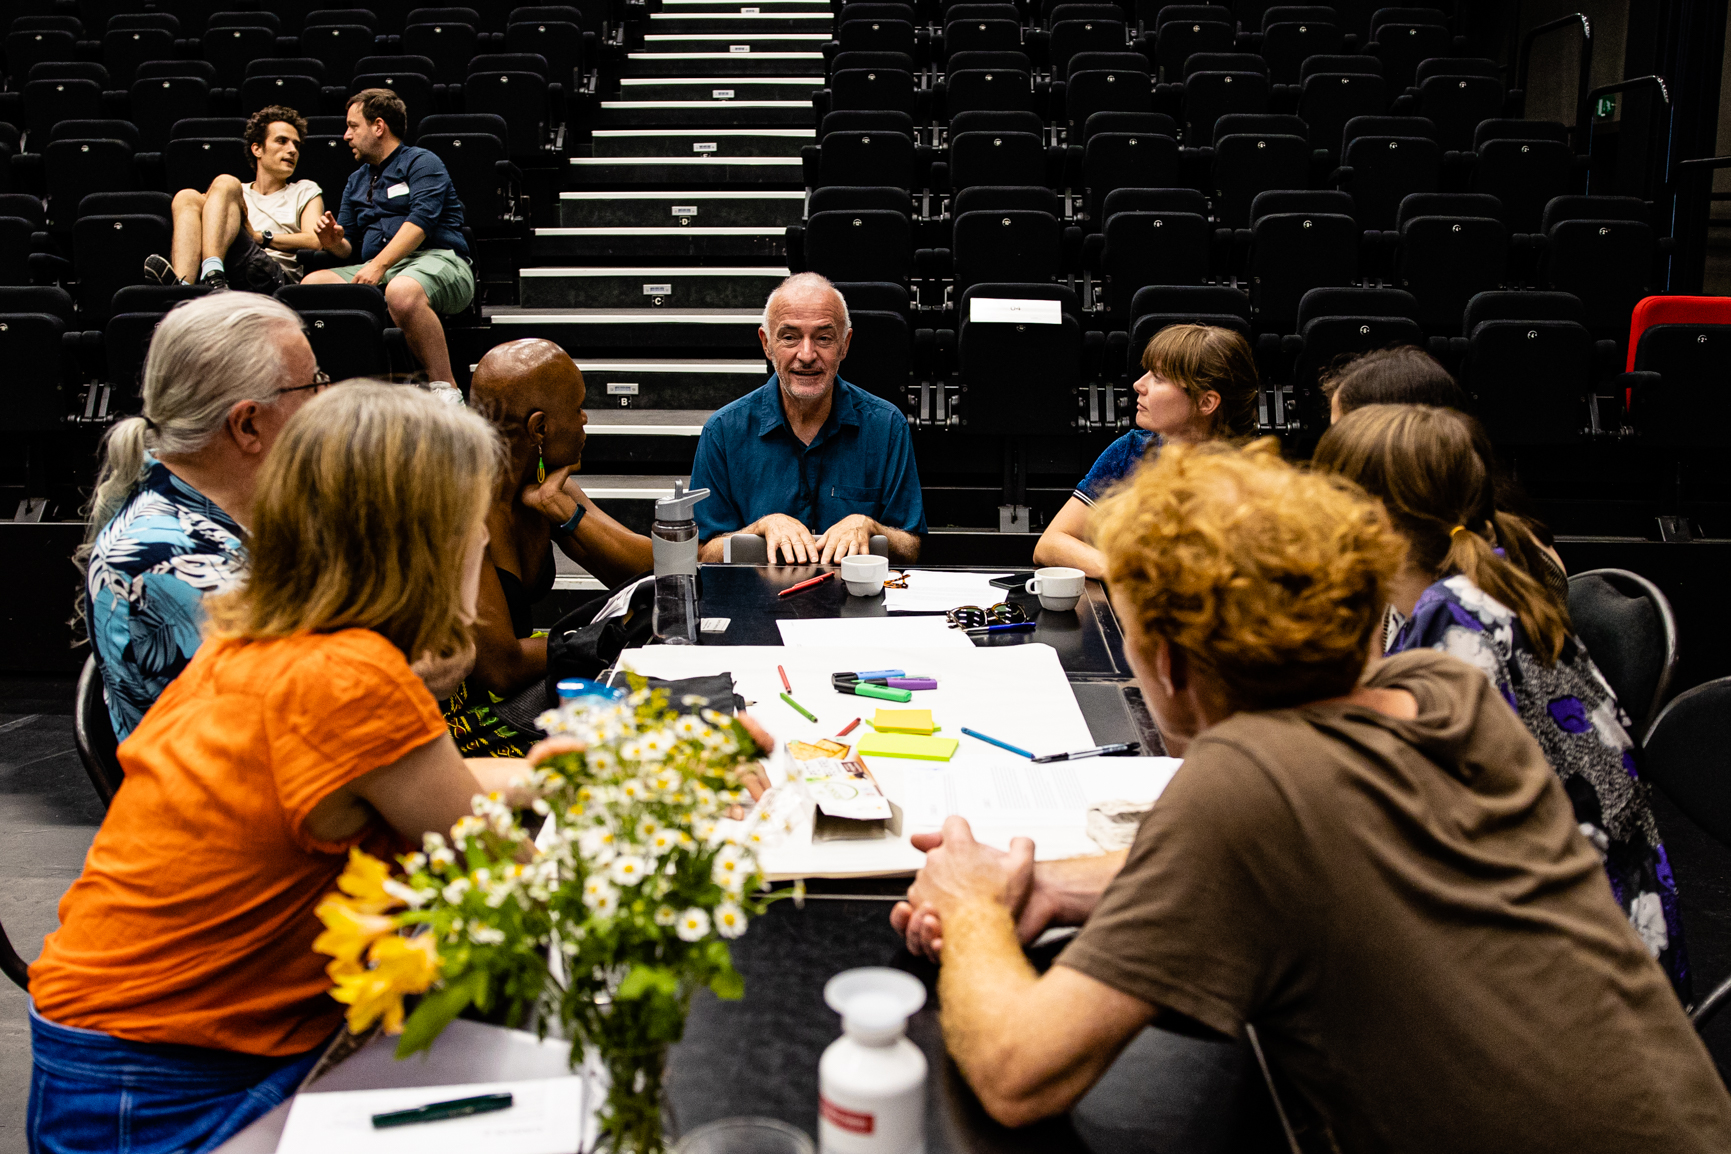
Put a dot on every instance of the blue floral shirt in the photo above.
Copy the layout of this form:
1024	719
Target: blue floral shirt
1570	708
150	569
1117	462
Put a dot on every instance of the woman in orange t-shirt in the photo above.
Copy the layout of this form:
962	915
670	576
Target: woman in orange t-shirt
181	996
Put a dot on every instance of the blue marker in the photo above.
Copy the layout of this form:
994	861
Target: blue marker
996	742
869	674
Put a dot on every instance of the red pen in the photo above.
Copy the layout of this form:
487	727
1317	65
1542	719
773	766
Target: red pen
803	585
849	728
784	682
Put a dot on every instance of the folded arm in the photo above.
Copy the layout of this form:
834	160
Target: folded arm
1065	541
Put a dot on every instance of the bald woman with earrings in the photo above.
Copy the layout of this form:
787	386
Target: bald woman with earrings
533	394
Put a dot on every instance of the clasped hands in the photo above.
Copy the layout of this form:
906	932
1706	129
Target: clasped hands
960	872
850	536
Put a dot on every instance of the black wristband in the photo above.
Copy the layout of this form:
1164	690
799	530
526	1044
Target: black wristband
576	520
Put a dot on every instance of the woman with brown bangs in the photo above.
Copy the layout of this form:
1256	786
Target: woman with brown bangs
1199	383
181	996
1460	592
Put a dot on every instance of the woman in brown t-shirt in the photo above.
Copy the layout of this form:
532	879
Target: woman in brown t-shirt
1379	873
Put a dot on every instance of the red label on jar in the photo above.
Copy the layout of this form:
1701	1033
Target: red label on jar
850	1120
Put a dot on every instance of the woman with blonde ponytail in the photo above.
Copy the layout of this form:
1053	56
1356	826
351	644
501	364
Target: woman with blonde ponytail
1460	592
167	522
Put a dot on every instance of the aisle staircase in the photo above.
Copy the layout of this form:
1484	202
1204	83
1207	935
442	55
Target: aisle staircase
669	232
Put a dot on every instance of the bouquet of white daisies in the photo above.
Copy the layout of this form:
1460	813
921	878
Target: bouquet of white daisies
636	889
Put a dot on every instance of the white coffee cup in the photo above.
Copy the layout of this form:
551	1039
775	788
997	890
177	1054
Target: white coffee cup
1059	588
865	574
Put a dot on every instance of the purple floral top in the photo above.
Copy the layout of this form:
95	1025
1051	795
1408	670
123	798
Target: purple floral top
1570	708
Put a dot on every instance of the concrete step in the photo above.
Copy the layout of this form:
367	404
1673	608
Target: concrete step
733	113
766	243
703	144
682	211
719	88
659	287
745	42
752	23
643	385
592	329
646	422
712	62
684	171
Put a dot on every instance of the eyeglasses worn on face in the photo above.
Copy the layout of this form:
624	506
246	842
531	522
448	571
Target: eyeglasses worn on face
320	380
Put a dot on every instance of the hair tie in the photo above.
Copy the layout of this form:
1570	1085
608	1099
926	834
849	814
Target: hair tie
149	424
1457	529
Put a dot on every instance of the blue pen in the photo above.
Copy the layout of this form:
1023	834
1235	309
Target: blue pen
870	674
996	742
1017	627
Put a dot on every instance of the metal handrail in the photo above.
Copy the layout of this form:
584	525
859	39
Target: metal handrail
1625	86
1583	106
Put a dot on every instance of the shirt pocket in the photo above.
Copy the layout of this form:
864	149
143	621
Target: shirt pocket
868	496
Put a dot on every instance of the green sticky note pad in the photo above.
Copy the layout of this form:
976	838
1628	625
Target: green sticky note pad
907	745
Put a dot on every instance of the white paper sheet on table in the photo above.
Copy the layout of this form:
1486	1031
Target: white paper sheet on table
932	591
545	1117
902	632
1019	694
1012	793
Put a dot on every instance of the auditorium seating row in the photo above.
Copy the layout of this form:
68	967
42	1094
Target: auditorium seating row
1444	249
84	157
336	39
54	356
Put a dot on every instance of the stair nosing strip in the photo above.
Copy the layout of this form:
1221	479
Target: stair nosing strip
741	16
723	55
720	161
723	37
621	133
673	366
660	230
603	271
694	194
652	317
718	81
629	105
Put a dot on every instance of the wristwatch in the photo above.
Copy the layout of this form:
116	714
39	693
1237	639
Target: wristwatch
576	520
267	237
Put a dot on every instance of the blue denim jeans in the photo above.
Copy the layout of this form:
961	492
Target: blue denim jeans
92	1092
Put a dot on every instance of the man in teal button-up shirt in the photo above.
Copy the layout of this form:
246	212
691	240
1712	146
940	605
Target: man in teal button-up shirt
814	465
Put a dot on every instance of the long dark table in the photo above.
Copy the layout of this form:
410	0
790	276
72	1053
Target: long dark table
759	1055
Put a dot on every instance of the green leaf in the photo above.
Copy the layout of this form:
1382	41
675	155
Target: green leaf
647	980
436	1011
728	984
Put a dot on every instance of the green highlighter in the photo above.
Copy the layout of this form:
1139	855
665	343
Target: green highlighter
881	692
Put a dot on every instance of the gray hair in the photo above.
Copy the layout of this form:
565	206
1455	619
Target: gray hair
206	356
807	280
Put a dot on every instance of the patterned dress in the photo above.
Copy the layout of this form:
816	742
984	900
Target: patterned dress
1571	710
150	569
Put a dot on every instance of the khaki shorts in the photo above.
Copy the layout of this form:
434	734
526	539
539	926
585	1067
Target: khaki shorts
447	279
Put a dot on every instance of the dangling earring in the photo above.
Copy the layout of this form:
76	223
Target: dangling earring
540	466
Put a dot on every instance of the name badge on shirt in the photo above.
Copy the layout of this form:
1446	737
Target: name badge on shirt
398	189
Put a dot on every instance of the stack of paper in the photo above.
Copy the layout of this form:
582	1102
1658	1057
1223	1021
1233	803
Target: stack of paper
929	591
900	632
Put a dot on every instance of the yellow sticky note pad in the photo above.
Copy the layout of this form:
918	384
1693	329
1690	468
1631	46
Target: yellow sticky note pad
904	721
908	745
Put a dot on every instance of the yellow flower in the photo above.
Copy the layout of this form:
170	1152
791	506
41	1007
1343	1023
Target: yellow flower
348	931
364	881
400	966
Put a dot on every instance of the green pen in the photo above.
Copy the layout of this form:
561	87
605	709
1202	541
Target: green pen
443	1111
804	712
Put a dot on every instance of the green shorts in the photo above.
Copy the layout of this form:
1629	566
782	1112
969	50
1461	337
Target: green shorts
448	280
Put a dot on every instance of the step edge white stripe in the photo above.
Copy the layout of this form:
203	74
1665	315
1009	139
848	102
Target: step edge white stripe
630	105
723	55
668	133
578	231
719	81
694	194
720	161
603	270
672	366
658	317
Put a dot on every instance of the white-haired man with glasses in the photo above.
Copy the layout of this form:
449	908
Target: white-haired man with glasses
174	491
813	464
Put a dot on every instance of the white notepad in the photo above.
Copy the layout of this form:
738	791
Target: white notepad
545	1117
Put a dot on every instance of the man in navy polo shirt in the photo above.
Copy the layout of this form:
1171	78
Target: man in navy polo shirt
410	225
814	465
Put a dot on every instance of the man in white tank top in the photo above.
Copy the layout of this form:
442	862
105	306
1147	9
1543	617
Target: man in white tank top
245	236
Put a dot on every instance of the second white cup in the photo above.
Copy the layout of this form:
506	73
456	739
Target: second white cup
865	573
1059	588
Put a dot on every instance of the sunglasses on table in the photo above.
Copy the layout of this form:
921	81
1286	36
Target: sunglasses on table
974	617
